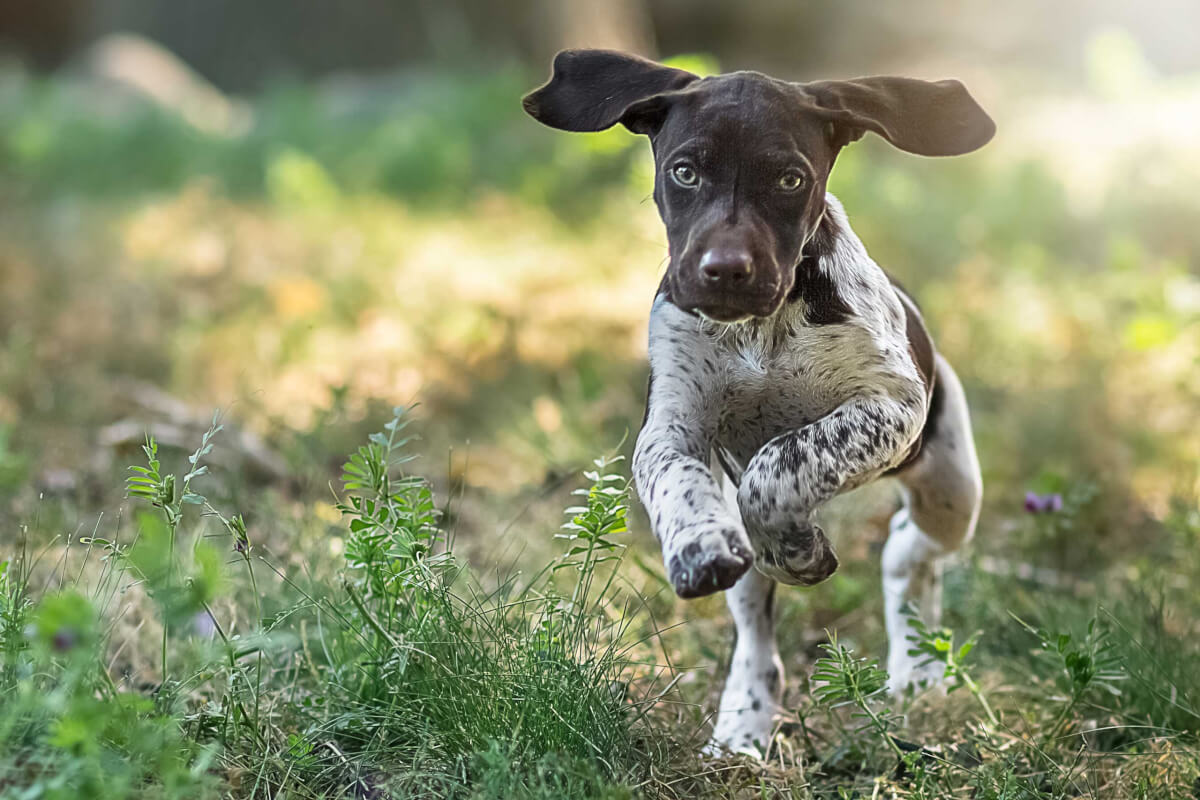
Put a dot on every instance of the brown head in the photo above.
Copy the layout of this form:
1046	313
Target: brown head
741	160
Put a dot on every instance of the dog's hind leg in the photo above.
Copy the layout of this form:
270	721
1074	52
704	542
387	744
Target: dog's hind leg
942	491
750	700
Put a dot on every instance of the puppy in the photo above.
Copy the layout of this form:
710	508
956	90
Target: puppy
782	358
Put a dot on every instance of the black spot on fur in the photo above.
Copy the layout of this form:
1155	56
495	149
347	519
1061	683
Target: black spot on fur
822	303
791	454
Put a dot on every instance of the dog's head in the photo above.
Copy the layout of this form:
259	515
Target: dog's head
741	159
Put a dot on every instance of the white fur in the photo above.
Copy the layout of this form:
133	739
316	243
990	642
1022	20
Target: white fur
754	687
942	491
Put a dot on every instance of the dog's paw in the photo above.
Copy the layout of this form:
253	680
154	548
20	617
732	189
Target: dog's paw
710	560
738	742
801	557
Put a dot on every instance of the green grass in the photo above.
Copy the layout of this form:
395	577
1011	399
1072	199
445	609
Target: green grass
406	675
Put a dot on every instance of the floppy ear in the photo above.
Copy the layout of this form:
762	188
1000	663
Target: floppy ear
591	90
923	117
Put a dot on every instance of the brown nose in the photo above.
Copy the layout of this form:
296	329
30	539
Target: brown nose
726	265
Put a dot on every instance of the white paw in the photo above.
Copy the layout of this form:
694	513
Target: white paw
744	742
745	729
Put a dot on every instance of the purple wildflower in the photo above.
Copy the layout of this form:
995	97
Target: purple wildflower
64	639
1043	503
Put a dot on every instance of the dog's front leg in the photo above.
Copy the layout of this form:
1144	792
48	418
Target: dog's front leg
704	544
795	472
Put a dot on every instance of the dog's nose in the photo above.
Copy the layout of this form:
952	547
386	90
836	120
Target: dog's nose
726	265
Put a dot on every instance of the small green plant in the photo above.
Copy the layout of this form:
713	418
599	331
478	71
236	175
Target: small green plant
154	556
1081	665
937	645
840	678
394	534
589	533
15	606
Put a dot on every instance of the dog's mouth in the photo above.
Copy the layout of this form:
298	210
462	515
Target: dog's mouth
730	308
723	314
727	306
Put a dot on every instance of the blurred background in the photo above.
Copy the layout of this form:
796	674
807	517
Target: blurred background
305	212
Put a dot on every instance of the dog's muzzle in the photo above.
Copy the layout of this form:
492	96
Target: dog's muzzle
726	286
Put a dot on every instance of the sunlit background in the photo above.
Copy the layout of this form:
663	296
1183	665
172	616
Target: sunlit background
306	212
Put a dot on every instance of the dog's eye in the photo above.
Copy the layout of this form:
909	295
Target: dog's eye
684	175
791	181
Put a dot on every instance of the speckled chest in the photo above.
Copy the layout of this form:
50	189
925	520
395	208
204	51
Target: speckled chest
778	381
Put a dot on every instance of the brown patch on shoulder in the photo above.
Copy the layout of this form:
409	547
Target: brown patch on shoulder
822	303
920	347
920	343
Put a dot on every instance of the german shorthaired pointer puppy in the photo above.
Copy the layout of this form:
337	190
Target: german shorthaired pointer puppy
781	355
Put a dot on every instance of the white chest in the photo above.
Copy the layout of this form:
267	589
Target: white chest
771	388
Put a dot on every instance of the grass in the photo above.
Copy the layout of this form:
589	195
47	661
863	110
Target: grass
410	676
231	627
407	677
